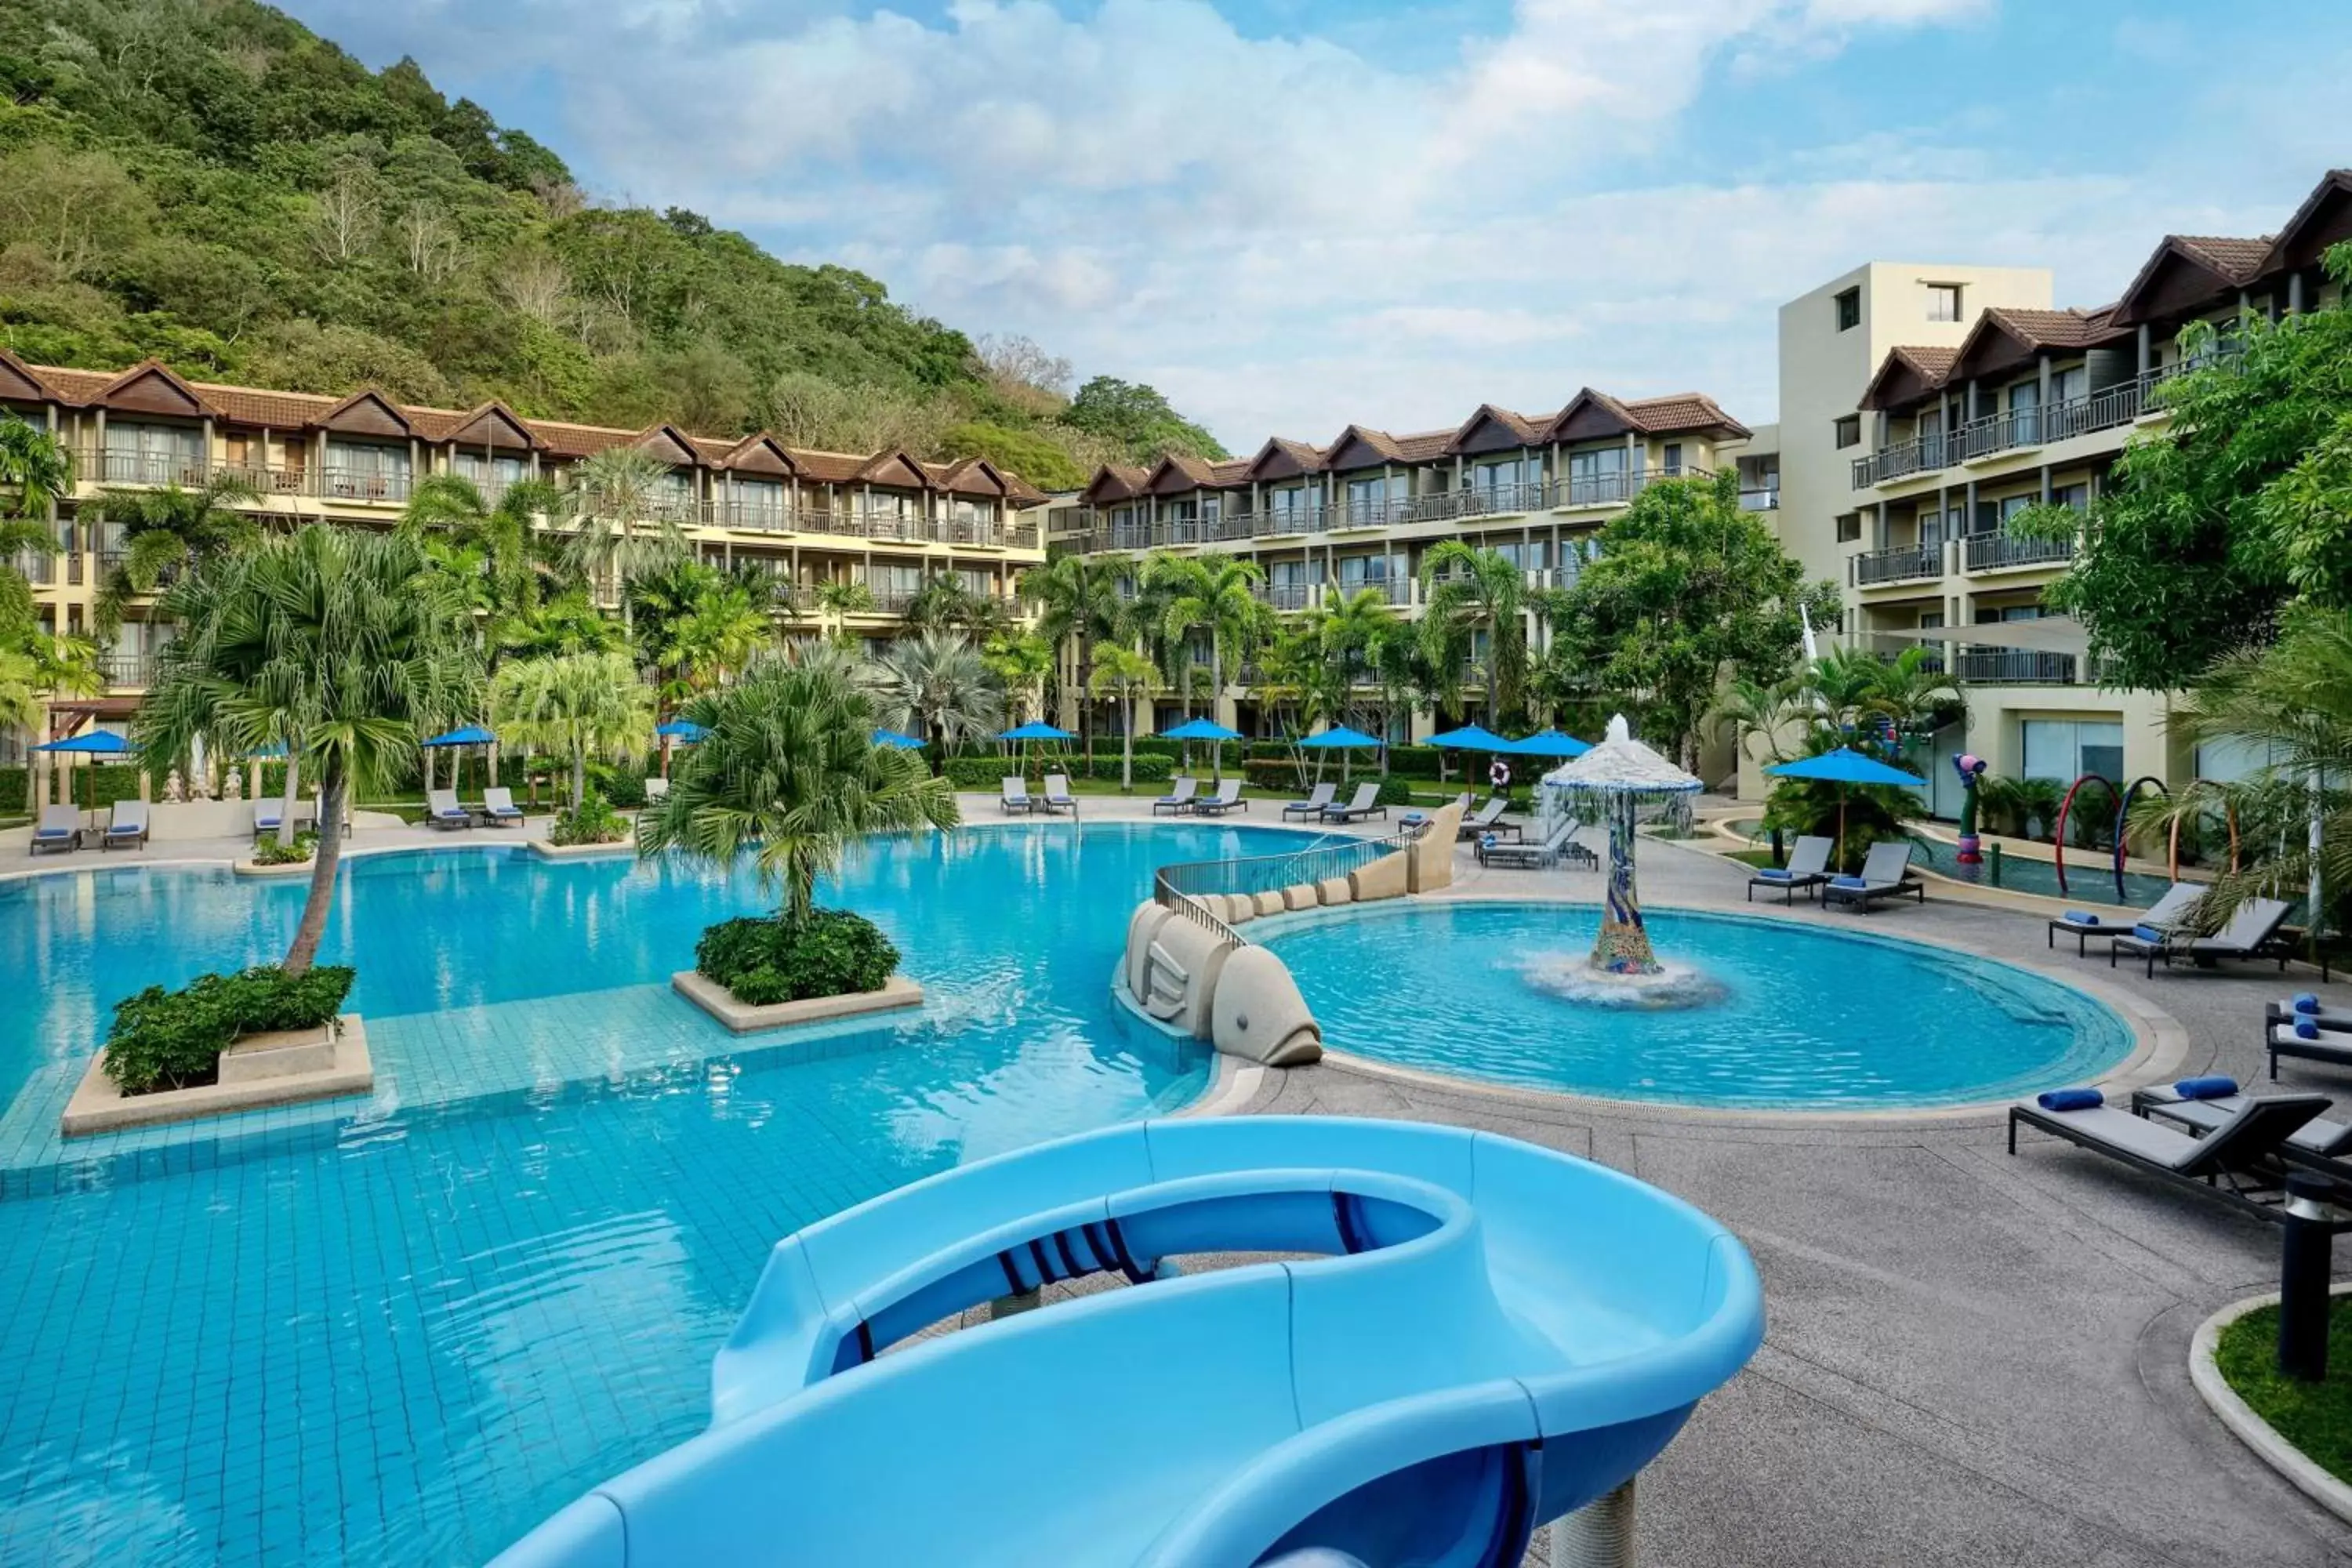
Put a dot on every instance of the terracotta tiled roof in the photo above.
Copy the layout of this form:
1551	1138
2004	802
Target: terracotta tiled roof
827	467
1678	412
2234	259
1421	447
1306	454
2073	329
1530	429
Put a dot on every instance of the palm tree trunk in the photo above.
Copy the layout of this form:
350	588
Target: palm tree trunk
286	801
579	776
1086	695
1127	752
325	860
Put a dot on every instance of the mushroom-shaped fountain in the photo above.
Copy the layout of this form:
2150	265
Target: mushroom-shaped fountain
1614	782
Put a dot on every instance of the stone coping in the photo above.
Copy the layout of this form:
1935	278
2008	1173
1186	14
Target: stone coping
2160	1044
97	1106
2250	1429
290	869
744	1018
546	850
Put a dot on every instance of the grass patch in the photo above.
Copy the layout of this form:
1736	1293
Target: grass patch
2316	1417
1756	858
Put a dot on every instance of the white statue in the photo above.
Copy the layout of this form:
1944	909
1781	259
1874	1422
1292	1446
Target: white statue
175	791
233	783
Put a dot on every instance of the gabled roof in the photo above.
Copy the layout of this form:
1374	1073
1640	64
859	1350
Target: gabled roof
759	454
366	412
1589	415
491	424
969	476
1283	458
1517	430
895	469
1020	492
1361	446
2187	272
1179	472
150	386
1682	414
18	383
827	467
1908	373
2324	219
2004	337
666	443
1115	482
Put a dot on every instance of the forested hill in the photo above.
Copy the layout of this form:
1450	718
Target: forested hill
214	185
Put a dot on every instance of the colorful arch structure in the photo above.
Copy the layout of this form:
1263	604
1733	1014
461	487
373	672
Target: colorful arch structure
2058	834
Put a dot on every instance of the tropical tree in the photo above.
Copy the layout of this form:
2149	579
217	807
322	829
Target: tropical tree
1470	589
788	766
1211	594
1077	603
1023	662
344	646
943	604
613	526
566	623
695	623
170	530
837	601
575	705
514	558
35	472
1126	677
937	684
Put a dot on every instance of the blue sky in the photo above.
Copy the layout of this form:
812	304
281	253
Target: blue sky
1289	215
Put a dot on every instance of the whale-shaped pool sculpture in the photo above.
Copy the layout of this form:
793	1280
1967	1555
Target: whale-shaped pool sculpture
1491	1336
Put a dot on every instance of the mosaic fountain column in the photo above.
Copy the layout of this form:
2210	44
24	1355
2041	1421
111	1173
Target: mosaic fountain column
1623	945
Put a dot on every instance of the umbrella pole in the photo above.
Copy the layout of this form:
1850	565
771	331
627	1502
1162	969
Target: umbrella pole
1840	827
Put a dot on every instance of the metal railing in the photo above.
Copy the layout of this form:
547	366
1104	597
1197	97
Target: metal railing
375	486
2016	667
2012	428
1996	551
1182	887
37	569
127	668
1765	500
1903	561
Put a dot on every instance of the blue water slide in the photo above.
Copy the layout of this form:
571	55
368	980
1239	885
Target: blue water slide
1483	1336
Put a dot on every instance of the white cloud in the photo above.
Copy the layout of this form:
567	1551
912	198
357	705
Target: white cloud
1280	232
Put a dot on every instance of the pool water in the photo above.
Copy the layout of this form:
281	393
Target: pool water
1808	1017
2090	874
405	1332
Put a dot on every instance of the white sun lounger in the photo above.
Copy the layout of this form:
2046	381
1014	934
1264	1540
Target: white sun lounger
1808	868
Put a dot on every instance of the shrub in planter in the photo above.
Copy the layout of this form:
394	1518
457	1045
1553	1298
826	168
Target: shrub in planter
173	1039
768	959
594	822
268	851
1394	791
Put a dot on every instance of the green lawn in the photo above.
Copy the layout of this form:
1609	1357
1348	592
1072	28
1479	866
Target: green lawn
2316	1417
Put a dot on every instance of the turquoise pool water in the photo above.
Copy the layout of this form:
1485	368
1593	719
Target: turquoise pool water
1810	1017
406	1333
2090	874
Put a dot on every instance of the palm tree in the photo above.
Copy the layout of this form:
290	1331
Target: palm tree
573	705
1126	677
788	765
944	604
1467	587
1022	662
937	683
1210	595
721	632
565	624
169	531
345	645
516	563
836	601
1077	604
615	527
35	472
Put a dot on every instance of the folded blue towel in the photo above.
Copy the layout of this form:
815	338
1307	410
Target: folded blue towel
2080	918
2070	1098
2306	1002
1848	882
1486	840
2149	934
2217	1086
1775	874
2305	1029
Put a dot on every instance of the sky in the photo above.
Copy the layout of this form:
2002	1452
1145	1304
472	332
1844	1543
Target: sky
1292	215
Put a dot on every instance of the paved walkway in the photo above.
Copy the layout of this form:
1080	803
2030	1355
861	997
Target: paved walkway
1972	1357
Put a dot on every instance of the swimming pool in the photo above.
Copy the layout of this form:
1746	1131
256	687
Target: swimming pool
2090	874
406	1333
1811	1018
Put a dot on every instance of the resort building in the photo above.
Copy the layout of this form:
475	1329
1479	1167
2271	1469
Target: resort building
884	519
1360	511
1923	406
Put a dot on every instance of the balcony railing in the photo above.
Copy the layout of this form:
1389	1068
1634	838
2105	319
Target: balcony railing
1765	500
2104	409
1289	595
375	487
39	570
114	466
1905	561
122	669
1997	552
2016	667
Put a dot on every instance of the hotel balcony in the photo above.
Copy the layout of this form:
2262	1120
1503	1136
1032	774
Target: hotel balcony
127	671
2013	430
1995	666
2000	553
1903	564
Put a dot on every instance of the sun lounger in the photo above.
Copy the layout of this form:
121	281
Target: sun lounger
1487	819
2237	1161
60	828
268	816
2287	1037
1015	797
2088	926
1364	803
2252	932
1313	804
656	788
1227	798
1057	794
2210	1102
1178	798
1808	868
499	810
1885	874
442	810
126	826
2306	1004
1559	846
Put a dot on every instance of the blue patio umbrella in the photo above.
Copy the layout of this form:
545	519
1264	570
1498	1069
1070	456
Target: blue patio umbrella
1342	740
97	744
1843	767
892	738
1469	737
1548	743
1194	730
1038	732
685	730
471	735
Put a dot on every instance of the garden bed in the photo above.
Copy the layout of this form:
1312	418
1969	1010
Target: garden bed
2302	1430
745	1018
280	1069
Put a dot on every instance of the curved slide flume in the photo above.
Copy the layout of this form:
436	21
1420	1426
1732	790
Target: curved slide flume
1490	1336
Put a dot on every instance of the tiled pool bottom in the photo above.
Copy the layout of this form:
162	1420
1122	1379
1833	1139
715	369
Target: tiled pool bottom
407	1335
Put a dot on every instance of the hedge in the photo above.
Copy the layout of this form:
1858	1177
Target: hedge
988	772
768	959
173	1039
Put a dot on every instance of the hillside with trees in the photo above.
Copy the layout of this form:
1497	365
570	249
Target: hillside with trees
216	187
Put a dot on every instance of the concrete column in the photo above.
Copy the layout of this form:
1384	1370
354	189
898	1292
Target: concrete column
2146	346
2295	293
2045	484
